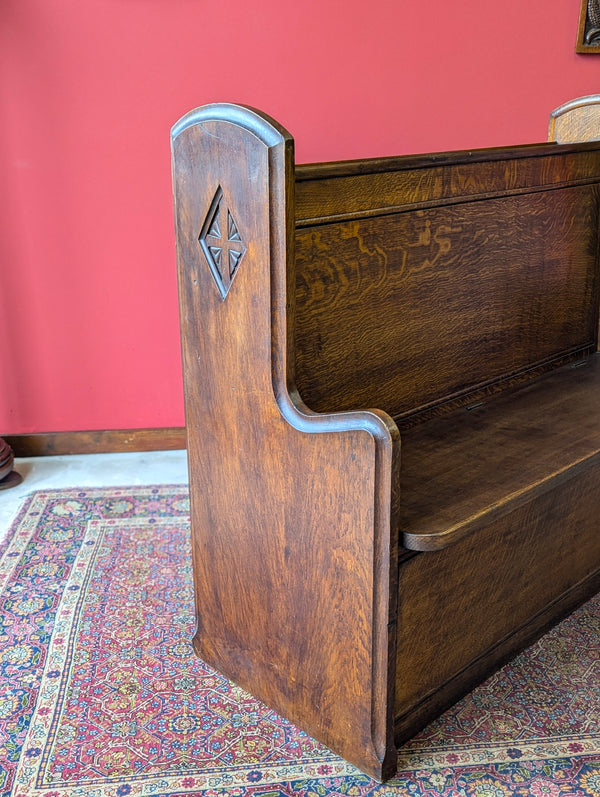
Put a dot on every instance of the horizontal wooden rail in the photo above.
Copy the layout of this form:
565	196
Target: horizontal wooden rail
97	442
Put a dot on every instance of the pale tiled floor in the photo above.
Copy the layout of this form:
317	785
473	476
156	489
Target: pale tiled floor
90	470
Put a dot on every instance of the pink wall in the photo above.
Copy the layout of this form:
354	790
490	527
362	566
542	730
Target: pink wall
88	90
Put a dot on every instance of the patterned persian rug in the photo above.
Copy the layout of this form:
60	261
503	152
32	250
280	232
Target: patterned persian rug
101	696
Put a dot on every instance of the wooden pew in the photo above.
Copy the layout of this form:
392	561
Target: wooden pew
576	120
392	394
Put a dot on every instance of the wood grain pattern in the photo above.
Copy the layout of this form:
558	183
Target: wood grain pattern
484	599
405	311
461	472
294	577
458	294
342	191
577	120
97	442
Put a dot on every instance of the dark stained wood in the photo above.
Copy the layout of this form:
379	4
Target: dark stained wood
97	442
355	591
338	191
294	562
467	609
403	311
8	477
461	472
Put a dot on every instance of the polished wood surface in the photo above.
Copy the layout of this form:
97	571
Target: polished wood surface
292	580
576	120
8	477
461	472
374	187
467	609
97	441
501	285
390	384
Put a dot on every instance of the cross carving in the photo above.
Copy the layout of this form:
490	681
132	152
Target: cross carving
221	243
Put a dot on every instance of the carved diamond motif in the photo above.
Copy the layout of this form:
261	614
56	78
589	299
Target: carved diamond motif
221	243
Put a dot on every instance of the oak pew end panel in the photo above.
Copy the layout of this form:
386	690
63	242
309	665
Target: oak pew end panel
357	591
293	556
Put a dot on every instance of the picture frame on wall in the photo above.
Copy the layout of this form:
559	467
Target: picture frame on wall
588	35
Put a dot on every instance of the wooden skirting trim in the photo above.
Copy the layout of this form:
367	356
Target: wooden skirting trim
97	442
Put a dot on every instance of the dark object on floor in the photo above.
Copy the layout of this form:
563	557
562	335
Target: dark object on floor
8	477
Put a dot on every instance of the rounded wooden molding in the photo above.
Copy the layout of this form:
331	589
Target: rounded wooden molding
576	120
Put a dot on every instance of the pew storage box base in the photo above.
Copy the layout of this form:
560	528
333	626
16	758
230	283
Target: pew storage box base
392	404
